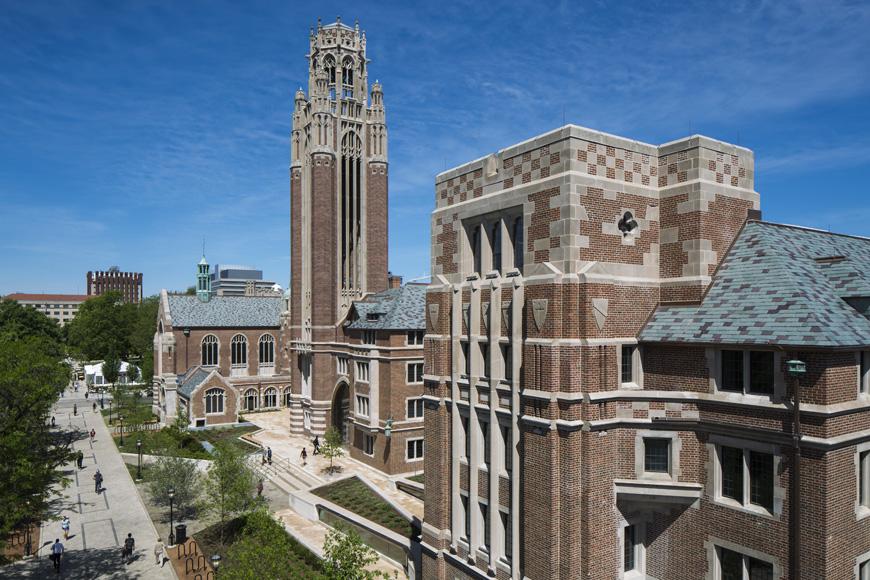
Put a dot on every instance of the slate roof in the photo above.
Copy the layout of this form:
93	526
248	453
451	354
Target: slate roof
778	285
397	309
225	311
188	382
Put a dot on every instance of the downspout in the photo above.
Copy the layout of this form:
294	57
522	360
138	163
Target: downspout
794	494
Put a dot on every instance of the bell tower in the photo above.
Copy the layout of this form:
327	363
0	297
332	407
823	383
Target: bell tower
203	281
338	197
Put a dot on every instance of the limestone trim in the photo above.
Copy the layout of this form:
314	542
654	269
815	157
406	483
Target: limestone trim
714	474
862	479
675	446
863	559
712	543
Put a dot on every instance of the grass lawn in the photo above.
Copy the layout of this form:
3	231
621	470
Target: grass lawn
418	478
135	411
229	435
154	442
354	495
132	470
302	563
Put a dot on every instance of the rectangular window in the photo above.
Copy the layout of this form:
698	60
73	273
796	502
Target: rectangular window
466	435
466	516
629	548
864	478
484	514
507	357
628	363
369	336
495	243
657	455
475	248
466	360
864	571
368	444
415	408
732	565
362	405
415	337
517	240
484	438
864	373
732	370
761	372
362	371
507	527
484	358
761	479
732	473
342	365
415	373
415	449
507	436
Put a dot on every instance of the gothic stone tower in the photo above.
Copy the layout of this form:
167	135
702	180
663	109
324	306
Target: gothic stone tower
338	191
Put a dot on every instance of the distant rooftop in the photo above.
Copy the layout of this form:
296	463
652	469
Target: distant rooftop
393	309
23	297
225	311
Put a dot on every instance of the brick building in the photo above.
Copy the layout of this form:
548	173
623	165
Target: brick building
129	284
355	343
606	386
60	307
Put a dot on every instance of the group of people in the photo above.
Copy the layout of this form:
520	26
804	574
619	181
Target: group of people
304	454
127	552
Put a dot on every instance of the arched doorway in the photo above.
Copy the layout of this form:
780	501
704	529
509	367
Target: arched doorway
341	410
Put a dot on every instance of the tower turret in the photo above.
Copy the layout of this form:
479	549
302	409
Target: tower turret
203	281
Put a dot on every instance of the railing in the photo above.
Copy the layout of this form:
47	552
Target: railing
132	428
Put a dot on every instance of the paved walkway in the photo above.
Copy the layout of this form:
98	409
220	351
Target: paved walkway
99	522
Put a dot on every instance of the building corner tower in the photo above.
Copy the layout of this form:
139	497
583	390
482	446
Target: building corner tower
338	209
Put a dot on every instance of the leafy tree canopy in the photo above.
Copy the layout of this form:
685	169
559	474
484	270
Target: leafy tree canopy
347	557
229	484
102	326
18	322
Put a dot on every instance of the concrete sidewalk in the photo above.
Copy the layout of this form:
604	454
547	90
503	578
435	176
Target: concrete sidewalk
99	522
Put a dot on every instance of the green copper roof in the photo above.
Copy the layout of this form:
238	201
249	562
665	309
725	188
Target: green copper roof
778	285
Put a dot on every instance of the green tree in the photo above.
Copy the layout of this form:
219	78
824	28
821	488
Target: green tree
333	447
112	368
133	375
346	557
265	550
171	472
32	376
102	326
229	485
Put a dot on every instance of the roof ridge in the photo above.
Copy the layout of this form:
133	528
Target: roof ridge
809	229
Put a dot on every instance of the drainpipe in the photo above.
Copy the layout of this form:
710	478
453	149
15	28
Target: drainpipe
796	368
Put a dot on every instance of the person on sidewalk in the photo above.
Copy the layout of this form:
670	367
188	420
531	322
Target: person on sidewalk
260	488
269	454
93	434
94	406
159	549
64	525
52	420
75	409
56	554
304	456
316	444
129	546
264	457
98	481
80	458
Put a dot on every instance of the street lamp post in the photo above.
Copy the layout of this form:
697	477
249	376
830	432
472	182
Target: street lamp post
139	455
110	411
796	369
171	517
121	422
215	562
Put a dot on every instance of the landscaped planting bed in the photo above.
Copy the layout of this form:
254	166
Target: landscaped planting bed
354	495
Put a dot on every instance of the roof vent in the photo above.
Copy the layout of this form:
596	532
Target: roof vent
627	223
373	316
829	259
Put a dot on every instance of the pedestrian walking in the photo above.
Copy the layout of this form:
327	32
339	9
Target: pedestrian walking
64	525
269	454
264	457
80	458
94	406
129	546
98	481
260	487
316	444
304	456
52	420
75	409
56	554
158	552
93	434
87	393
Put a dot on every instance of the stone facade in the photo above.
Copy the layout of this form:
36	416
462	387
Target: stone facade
544	409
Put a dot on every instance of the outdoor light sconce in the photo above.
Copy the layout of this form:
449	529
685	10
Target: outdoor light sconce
186	331
796	367
388	428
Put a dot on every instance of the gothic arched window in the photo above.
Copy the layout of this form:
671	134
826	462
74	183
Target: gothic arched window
210	346
250	400
270	398
239	351
214	401
288	397
267	350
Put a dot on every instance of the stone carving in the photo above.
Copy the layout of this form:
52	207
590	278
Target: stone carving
506	315
599	311
539	311
434	311
466	316
486	316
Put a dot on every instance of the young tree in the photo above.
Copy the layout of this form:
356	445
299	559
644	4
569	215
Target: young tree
112	368
265	550
332	447
178	473
346	557
229	485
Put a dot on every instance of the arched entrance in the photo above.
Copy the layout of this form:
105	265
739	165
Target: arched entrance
341	410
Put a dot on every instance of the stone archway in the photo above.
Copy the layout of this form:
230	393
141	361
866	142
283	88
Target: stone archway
341	410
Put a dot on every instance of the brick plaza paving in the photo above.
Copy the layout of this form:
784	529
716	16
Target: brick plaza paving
99	523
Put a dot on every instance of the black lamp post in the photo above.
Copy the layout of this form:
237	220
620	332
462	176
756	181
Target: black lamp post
139	454
102	392
171	517
796	369
110	411
121	422
28	544
215	562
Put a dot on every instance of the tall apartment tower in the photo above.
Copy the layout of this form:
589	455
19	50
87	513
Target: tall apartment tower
338	192
129	284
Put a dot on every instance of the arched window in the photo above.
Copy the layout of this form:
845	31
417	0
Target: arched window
267	350
288	397
270	398
329	67
239	351
210	351
214	401
250	400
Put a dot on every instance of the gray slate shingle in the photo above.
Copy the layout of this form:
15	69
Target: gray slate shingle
225	311
778	285
397	309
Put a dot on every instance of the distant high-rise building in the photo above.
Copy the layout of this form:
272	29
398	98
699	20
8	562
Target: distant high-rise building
129	284
233	279
61	307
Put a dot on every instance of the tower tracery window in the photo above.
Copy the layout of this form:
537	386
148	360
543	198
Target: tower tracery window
210	351
239	350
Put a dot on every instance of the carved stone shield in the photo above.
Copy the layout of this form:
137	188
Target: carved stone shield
466	316
434	311
506	315
539	311
599	311
486	316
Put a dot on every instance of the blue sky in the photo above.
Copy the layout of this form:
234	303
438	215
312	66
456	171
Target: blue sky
130	131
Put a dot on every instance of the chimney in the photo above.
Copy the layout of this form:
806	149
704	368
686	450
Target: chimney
393	281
